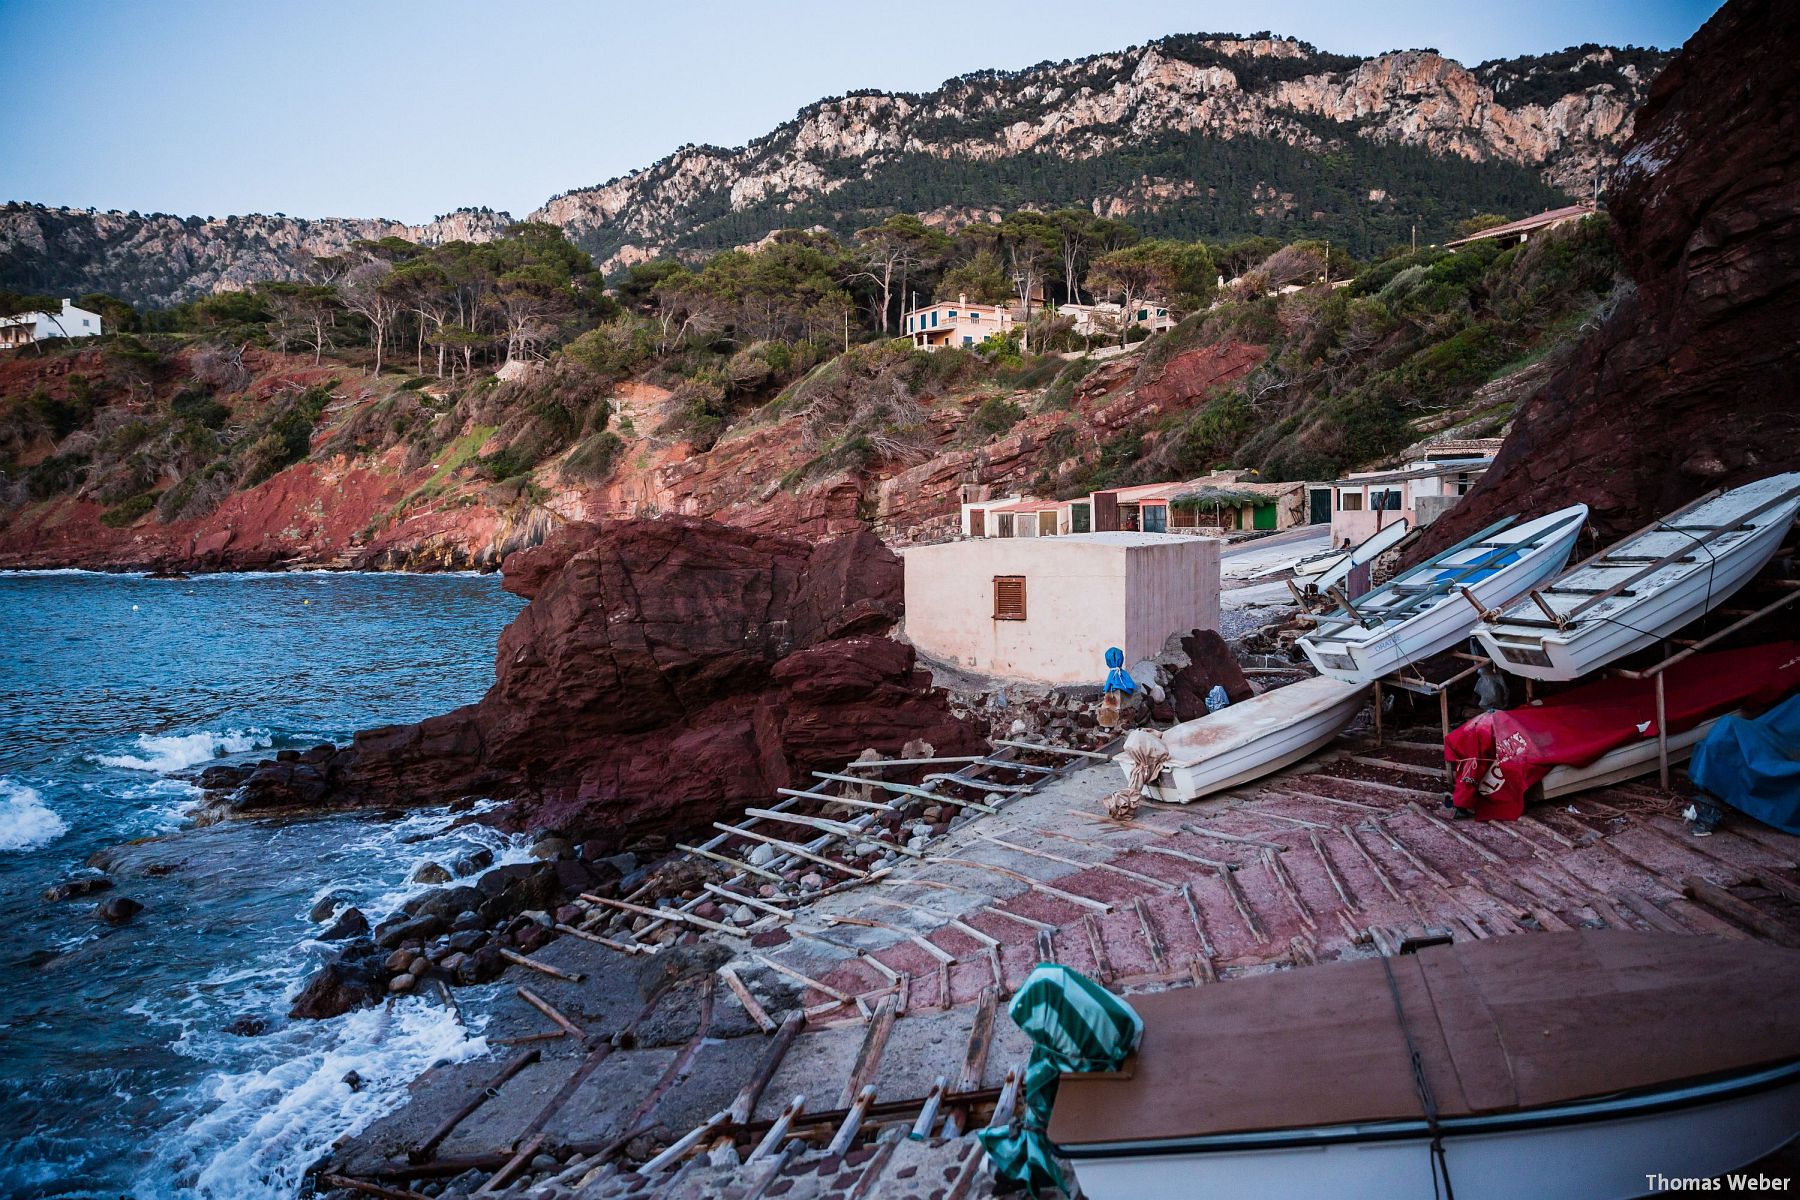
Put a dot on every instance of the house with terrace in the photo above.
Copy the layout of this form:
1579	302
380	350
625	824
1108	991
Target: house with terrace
1109	319
1419	493
957	323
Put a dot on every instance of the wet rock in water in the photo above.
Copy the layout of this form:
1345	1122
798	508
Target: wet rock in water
393	932
328	904
353	1081
83	885
401	983
118	910
450	964
397	962
247	1025
431	872
350	924
467	940
418	967
466	921
474	862
447	902
353	979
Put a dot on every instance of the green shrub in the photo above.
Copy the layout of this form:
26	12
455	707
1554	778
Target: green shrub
994	417
593	459
507	463
196	405
127	512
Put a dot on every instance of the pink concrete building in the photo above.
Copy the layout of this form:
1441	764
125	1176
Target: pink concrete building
1047	609
957	323
1420	493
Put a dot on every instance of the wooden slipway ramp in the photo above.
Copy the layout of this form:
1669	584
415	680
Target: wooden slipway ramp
800	1054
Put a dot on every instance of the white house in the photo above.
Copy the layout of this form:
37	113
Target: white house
27	328
1107	318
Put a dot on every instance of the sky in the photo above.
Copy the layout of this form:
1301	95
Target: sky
406	109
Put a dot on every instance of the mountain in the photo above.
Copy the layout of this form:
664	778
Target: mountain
1211	136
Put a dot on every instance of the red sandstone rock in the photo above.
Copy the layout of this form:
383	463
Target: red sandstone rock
1691	383
667	672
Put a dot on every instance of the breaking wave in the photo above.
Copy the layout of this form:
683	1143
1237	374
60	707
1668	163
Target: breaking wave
177	752
264	1128
26	822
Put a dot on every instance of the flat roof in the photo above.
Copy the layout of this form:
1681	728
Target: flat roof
1465	467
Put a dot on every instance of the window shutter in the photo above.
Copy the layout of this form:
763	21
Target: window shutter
1009	597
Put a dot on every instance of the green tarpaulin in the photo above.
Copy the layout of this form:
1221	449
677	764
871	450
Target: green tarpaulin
1074	1025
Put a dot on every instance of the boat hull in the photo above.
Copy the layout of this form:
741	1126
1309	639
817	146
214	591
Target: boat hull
1182	783
1437	628
1559	655
1590	1155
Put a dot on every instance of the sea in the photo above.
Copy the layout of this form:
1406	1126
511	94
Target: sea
156	1059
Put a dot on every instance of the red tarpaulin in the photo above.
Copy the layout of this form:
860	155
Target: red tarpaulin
1499	756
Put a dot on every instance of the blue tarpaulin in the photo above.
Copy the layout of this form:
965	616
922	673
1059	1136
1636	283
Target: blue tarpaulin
1754	765
1118	679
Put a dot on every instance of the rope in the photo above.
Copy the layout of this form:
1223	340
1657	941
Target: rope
1440	1167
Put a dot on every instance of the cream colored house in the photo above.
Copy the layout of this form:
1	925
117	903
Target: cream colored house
1420	492
1107	318
957	324
1046	609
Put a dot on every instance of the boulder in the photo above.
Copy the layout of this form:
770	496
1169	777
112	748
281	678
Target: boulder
84	885
395	930
1210	664
350	924
351	980
118	910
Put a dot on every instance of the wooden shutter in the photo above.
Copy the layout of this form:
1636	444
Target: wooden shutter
1009	597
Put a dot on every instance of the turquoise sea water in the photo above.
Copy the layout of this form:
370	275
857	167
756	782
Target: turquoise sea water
119	1074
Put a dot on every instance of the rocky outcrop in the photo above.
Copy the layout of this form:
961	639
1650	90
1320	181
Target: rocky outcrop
1565	126
1689	384
665	673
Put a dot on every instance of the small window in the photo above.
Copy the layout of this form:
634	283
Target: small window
85	323
1009	597
1143	314
934	318
975	317
967	340
1349	501
1388	500
953	314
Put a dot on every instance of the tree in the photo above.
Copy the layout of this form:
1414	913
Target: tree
889	253
1032	244
1137	272
302	312
365	290
980	277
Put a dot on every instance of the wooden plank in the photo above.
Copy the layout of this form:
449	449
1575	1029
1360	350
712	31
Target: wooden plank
828	798
543	968
787	847
868	1056
1202	831
1337	883
1744	913
827	825
1103	968
1650	914
672	914
1272	864
544	1006
1068	750
518	1062
609	943
809	981
1703	920
1384	764
1418	863
1152	939
514	1165
1087	902
1184	856
1186	891
1375	868
739	864
906	789
1288	789
757	1012
1239	902
1152	880
1457	835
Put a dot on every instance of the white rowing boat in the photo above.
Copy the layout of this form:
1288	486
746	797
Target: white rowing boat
1639	591
1331	568
1423	610
1249	739
1549	1066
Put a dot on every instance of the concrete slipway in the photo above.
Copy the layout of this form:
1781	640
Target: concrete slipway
898	981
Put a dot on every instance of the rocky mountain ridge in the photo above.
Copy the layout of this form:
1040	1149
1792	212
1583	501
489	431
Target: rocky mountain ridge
1192	135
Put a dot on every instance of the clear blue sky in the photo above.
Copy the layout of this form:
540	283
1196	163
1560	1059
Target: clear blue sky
407	108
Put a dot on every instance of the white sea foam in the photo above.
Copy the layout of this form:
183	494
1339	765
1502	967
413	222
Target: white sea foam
177	752
261	1129
26	822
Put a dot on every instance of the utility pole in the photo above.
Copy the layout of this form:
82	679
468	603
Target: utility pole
1415	237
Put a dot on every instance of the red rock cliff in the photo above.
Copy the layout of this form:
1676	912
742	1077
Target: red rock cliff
665	673
1693	381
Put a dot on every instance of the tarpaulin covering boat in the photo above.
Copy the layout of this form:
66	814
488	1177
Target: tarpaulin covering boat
1754	765
1498	756
1543	1066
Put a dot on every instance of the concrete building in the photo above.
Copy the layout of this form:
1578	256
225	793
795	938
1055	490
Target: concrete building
957	324
1421	492
1107	319
1046	609
1228	501
70	322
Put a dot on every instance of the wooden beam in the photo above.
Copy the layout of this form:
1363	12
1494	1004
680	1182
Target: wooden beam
868	1057
1744	913
788	847
756	1011
906	789
668	914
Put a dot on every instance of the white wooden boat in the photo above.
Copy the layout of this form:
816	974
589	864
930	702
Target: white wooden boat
1560	1066
1423	610
1331	568
1249	739
1622	763
1639	591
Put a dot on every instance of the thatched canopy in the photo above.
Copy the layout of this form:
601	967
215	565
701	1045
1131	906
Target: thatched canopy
1218	497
